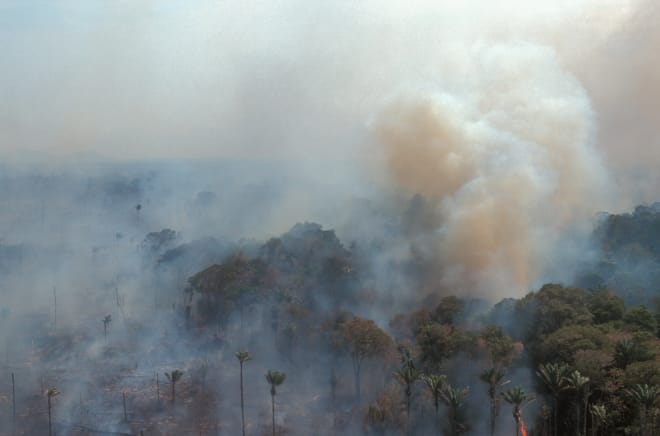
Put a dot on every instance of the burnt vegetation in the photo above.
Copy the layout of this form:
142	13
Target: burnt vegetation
580	358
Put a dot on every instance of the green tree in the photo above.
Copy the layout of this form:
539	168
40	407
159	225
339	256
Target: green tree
627	351
435	383
499	344
275	379
50	393
408	375
640	318
518	399
599	417
605	306
580	384
645	397
551	308
174	377
437	343
242	356
448	310
453	398
553	376
362	339
494	378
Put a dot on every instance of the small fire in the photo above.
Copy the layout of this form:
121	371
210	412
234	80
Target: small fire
523	429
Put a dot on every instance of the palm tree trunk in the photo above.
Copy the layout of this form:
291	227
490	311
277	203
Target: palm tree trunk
554	417
586	414
437	424
273	407
50	427
242	404
173	391
407	413
357	382
492	417
577	421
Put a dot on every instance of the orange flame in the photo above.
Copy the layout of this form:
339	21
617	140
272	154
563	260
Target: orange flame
523	429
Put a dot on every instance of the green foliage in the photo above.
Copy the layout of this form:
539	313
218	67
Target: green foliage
435	383
605	306
275	379
449	309
499	344
639	318
438	342
642	372
518	399
454	399
553	376
563	343
627	351
551	308
243	356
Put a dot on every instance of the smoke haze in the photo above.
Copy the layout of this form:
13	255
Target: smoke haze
516	121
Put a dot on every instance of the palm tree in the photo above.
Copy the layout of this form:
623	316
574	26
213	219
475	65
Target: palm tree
174	377
553	376
494	377
435	382
645	397
242	356
453	398
518	398
599	417
580	384
623	353
50	393
106	322
274	378
409	375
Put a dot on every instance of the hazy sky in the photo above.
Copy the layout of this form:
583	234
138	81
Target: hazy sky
293	78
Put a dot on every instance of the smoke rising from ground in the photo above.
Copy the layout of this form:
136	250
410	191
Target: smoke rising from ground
515	120
507	162
464	146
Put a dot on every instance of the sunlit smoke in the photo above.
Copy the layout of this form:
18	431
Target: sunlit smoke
507	162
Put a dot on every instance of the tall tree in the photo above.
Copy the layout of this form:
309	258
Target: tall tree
453	398
580	384
50	393
242	356
435	383
517	398
494	378
362	338
553	376
645	397
174	377
408	376
274	378
106	323
599	417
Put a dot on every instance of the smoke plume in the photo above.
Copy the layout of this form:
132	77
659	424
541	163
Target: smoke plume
507	162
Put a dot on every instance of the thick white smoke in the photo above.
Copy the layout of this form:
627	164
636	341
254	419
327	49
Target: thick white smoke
502	146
